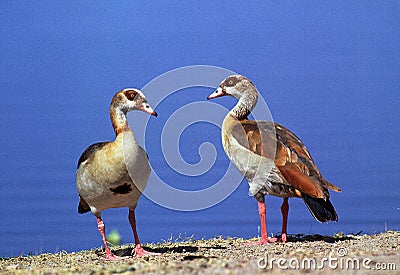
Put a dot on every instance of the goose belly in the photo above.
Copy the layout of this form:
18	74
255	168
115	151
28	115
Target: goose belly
115	179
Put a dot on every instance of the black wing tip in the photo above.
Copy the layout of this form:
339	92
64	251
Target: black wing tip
82	209
322	210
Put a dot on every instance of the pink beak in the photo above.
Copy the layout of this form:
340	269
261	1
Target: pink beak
219	92
145	107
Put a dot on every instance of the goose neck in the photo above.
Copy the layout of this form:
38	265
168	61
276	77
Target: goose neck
245	105
118	120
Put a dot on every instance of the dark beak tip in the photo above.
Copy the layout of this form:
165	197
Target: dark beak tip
155	114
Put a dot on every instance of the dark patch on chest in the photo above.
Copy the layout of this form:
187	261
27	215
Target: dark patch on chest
122	189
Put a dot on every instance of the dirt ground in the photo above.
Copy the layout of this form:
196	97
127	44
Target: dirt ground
372	254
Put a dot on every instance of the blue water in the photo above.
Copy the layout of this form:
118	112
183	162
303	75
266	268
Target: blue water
329	72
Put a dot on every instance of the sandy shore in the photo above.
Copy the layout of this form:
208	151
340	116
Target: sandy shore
374	254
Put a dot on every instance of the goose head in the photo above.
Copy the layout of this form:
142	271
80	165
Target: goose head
237	86
130	99
241	88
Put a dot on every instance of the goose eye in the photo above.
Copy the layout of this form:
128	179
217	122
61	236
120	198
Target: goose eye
130	94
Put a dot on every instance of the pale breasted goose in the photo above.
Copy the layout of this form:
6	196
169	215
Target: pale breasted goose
102	178
272	159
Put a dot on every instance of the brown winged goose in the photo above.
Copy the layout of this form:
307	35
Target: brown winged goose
272	159
102	178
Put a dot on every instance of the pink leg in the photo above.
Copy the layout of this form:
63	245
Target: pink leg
285	211
264	235
109	254
138	250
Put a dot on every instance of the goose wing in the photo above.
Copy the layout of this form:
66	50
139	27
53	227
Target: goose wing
90	150
294	164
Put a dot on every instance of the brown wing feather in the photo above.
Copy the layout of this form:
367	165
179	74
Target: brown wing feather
301	181
301	158
291	157
247	133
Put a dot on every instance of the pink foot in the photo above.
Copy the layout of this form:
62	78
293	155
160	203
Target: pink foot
263	241
283	238
112	257
138	251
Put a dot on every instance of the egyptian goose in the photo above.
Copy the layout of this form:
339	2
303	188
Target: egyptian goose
103	179
271	158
